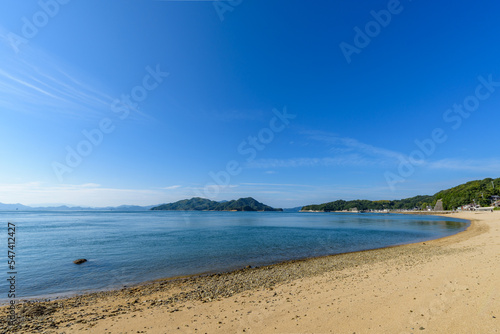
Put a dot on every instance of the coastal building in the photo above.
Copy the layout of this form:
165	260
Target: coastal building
488	208
468	207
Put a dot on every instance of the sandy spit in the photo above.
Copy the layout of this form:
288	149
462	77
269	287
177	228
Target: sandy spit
449	285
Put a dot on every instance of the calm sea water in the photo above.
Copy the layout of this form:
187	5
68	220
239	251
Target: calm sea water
123	248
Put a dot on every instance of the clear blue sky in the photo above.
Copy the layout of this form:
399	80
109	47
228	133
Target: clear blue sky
209	83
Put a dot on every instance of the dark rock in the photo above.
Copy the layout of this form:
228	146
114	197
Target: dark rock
80	261
36	310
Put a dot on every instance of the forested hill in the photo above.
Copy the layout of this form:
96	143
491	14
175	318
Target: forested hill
203	204
479	191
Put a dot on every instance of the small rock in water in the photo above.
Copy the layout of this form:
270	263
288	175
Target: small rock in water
80	261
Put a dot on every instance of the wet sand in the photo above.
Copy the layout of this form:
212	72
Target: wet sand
449	285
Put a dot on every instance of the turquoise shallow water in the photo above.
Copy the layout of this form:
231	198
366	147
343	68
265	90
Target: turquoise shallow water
124	248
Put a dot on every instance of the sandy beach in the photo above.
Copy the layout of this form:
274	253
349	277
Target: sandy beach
450	285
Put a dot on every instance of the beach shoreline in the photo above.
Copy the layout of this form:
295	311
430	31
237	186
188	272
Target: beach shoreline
75	293
178	299
119	284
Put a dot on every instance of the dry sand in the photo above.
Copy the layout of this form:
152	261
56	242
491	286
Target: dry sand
450	285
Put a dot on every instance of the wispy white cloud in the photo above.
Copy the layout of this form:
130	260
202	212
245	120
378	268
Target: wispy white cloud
346	144
347	151
24	87
90	185
346	160
34	82
341	151
275	184
89	194
472	165
172	187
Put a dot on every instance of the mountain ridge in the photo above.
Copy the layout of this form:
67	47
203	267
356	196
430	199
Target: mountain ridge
203	204
477	192
21	207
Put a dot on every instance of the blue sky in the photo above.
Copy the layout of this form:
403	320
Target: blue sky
290	102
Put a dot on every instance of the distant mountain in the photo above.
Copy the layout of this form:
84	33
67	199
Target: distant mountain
13	207
296	209
242	204
203	204
129	208
20	207
195	203
478	192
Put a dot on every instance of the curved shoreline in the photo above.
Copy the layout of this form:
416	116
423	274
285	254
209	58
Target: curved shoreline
174	293
72	294
68	295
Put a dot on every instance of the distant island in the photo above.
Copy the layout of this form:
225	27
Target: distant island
122	208
203	204
479	193
468	196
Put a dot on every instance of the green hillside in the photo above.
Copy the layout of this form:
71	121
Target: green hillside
479	191
203	204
